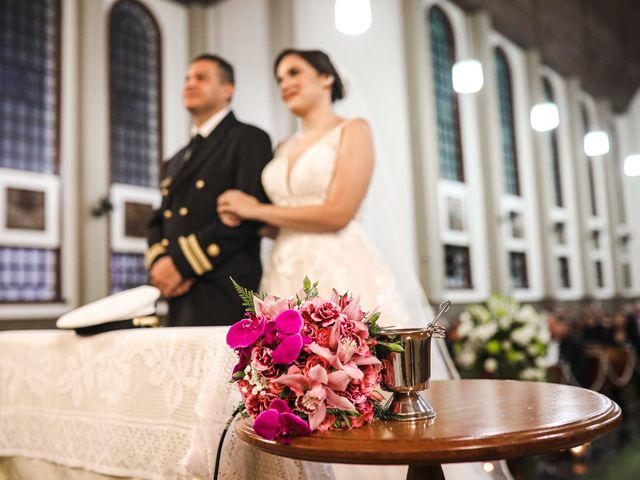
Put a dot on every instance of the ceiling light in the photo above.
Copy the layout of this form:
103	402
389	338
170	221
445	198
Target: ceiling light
632	165
544	116
596	143
467	76
353	17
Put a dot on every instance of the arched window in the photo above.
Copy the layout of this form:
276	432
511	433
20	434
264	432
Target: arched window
134	93
448	116
586	125
555	153
509	150
29	139
135	113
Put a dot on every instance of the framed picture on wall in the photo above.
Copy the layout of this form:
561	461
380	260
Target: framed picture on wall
132	209
29	209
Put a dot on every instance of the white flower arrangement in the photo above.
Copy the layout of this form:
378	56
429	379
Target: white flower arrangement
501	339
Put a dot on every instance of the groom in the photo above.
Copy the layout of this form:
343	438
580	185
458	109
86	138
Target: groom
191	253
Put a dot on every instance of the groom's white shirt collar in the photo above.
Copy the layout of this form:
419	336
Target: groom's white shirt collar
210	124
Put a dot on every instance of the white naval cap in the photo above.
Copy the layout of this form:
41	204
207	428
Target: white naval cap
130	308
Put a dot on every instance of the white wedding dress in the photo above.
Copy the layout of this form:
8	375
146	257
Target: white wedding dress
346	261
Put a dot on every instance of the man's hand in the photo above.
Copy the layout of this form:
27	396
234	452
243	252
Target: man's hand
167	278
230	220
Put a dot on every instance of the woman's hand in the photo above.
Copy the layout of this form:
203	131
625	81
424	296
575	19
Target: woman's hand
234	206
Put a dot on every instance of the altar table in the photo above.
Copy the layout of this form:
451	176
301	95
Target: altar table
139	403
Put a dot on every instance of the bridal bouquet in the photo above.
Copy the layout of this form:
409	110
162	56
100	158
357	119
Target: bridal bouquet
501	339
305	363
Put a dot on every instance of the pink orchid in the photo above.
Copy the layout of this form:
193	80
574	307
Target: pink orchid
271	306
279	423
341	329
289	325
350	306
345	371
245	332
315	392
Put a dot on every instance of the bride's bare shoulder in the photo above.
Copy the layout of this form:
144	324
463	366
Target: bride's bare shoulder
357	127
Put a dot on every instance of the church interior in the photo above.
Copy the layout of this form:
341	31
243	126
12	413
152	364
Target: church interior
507	141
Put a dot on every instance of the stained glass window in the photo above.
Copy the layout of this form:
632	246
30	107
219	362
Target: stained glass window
29	83
592	186
555	152
134	78
448	116
127	271
509	150
28	275
134	92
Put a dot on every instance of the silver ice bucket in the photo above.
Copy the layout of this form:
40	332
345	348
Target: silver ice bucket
407	373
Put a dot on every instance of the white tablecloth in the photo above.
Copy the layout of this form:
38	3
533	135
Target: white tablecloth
145	403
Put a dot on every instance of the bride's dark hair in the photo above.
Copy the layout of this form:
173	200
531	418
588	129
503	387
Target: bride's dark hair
321	62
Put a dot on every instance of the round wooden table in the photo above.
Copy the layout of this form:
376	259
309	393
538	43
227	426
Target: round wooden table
476	420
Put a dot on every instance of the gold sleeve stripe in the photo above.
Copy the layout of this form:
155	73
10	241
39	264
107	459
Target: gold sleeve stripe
199	253
153	252
190	256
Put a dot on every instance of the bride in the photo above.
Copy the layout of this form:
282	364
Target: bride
317	182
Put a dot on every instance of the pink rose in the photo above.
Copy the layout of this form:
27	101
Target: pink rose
347	327
307	310
366	415
326	314
323	337
314	360
310	330
256	404
355	393
261	360
371	379
327	423
276	388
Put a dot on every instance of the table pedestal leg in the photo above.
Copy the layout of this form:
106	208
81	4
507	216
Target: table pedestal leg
425	472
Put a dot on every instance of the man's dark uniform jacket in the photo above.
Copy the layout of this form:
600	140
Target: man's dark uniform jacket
187	227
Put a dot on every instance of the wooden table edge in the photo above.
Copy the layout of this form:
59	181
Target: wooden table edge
553	438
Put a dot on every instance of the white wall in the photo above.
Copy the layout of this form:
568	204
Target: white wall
629	128
239	32
375	63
